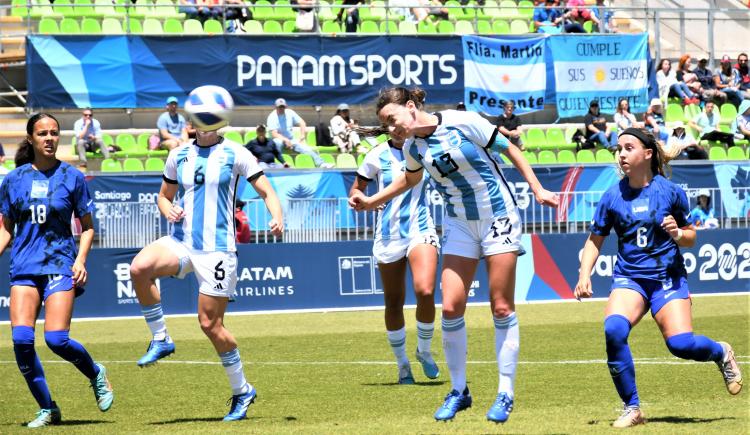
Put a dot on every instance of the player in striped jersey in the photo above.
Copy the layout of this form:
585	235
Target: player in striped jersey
482	221
206	171
404	232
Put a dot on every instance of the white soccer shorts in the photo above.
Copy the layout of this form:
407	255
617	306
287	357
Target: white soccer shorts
482	238
216	271
390	251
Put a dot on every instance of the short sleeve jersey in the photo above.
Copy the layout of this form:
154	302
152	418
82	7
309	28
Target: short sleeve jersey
207	179
42	204
645	250
406	215
458	157
283	124
172	125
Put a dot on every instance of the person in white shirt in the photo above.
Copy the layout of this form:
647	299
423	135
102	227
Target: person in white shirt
342	130
669	86
280	123
682	144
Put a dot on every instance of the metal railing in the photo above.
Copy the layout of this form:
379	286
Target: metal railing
133	225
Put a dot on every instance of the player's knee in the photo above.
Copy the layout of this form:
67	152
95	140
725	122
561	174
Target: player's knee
23	336
210	327
139	270
681	345
56	340
616	329
423	289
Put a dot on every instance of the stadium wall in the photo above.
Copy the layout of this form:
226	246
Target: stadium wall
343	275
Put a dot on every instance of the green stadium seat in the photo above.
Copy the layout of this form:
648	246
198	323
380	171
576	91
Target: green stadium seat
284	13
132	165
84	8
519	27
346	161
330	27
675	113
691	111
728	113
64	9
360	159
90	26
566	156
10	164
717	153
455	10
325	11
585	156
112	26
378	11
142	141
250	135
133	26
369	27
389	27
192	26
154	164
141	9
508	10
463	27
546	157
526	9
405	28
425	28
262	10
166	9
289	26
213	27
327	149
152	26
604	156
484	27
535	139
105	9
126	142
501	27
111	165
311	138
173	26
531	157
48	26
288	160
735	153
19	8
69	26
446	28
328	158
234	136
44	11
556	138
108	139
303	161
272	26
588	26
158	153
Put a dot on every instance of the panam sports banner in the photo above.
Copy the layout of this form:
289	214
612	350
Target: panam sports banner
500	70
604	68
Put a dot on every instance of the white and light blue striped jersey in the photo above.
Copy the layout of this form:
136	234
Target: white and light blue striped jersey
457	156
406	215
208	178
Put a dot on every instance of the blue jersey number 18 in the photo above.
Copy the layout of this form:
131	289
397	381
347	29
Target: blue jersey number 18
38	213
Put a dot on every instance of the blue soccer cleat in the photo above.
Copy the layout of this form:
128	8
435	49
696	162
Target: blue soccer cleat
500	410
102	389
239	405
429	367
404	375
46	417
454	402
157	350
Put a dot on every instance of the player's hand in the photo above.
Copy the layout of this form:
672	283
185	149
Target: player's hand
359	202
583	289
277	228
545	197
79	274
176	213
670	225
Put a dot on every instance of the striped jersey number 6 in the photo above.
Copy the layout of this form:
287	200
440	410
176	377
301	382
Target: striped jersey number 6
447	165
640	237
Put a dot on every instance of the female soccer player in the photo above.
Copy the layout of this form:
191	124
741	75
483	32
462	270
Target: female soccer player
481	221
651	218
202	241
404	232
37	201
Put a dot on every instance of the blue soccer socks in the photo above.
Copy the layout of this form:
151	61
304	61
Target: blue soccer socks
71	351
696	347
30	366
619	358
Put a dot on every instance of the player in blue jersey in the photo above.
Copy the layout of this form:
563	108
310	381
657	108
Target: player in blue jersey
650	216
481	221
404	232
206	172
37	202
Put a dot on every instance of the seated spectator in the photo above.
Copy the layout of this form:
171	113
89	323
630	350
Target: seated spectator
547	18
265	150
509	125
741	125
241	223
727	80
669	86
654	120
742	67
703	214
708	84
280	123
575	18
623	118
707	124
307	19
603	18
415	11
348	15
597	129
88	133
685	75
343	130
682	145
172	126
461	106
200	10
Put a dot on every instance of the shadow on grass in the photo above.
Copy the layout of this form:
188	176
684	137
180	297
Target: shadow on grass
681	420
207	420
71	423
390	384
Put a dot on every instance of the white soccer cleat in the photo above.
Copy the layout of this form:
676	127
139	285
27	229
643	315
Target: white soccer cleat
730	370
631	416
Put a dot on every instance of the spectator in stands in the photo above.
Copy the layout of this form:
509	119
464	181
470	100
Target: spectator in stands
265	150
307	18
623	118
742	67
461	106
349	15
200	10
669	86
343	130
597	129
88	134
415	11
741	125
241	223
509	125
654	120
280	123
706	79
686	75
547	18
576	15
172	126
727	80
707	124
703	214
603	18
682	145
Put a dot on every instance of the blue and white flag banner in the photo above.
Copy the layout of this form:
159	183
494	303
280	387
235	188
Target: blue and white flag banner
601	67
500	70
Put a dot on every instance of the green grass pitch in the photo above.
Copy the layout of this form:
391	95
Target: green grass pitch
321	373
